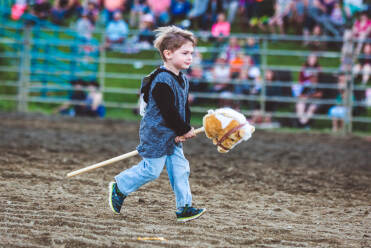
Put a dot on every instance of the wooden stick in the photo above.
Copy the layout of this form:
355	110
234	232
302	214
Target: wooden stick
115	159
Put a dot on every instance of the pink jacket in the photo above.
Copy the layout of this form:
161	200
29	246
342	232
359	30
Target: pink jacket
221	29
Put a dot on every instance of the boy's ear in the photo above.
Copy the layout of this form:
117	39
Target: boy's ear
167	54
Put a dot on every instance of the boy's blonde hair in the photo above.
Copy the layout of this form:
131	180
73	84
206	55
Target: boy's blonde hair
172	38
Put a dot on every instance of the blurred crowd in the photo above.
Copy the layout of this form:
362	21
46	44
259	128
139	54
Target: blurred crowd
235	59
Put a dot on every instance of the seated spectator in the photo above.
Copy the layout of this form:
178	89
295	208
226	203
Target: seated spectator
197	82
236	65
111	7
336	16
75	107
309	70
221	79
136	12
179	10
252	49
305	108
364	64
18	9
221	28
281	10
339	111
41	9
361	30
315	43
146	35
232	49
84	27
160	10
116	31
94	101
64	9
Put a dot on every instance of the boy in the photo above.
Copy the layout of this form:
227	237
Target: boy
165	124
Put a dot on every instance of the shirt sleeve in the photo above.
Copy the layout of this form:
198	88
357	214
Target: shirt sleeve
164	98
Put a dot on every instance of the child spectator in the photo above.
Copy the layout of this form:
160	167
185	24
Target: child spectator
236	65
315	43
84	27
252	49
94	101
93	12
117	30
160	9
339	111
305	108
179	10
221	28
308	73
146	35
364	64
164	126
233	48
361	30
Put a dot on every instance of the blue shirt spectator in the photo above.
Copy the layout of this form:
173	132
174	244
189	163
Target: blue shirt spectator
117	30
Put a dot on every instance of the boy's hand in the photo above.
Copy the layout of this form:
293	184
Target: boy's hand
189	135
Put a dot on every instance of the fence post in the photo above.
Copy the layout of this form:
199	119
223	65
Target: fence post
264	67
25	71
102	62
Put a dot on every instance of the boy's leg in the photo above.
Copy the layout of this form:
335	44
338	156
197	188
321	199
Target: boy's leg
177	167
145	171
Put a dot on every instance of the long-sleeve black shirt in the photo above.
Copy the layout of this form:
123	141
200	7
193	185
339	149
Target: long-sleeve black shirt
164	98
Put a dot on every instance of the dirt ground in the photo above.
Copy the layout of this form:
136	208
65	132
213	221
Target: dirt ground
276	190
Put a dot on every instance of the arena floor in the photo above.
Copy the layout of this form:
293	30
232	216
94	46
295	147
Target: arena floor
276	190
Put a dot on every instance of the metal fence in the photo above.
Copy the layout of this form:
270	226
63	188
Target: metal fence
27	83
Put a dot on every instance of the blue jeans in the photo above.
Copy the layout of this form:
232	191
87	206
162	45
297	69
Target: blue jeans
149	169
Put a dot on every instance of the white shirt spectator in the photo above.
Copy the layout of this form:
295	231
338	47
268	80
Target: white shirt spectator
117	30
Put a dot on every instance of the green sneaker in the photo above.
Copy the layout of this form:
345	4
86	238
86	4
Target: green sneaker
189	213
116	198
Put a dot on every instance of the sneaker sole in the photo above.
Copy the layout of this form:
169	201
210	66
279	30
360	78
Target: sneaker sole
110	190
191	218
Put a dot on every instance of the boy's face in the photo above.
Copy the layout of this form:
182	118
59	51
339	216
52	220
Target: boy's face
182	57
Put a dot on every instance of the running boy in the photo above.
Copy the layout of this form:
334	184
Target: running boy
165	124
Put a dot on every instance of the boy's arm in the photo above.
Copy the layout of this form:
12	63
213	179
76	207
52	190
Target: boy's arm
164	98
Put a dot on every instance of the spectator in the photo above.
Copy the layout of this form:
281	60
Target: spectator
250	9
322	12
197	83
160	10
136	12
361	30
94	101
281	11
179	10
221	28
364	64
351	7
63	9
339	111
236	65
252	49
84	27
315	43
116	31
308	73
18	9
111	7
75	106
336	17
232	49
305	108
41	9
146	35
221	75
